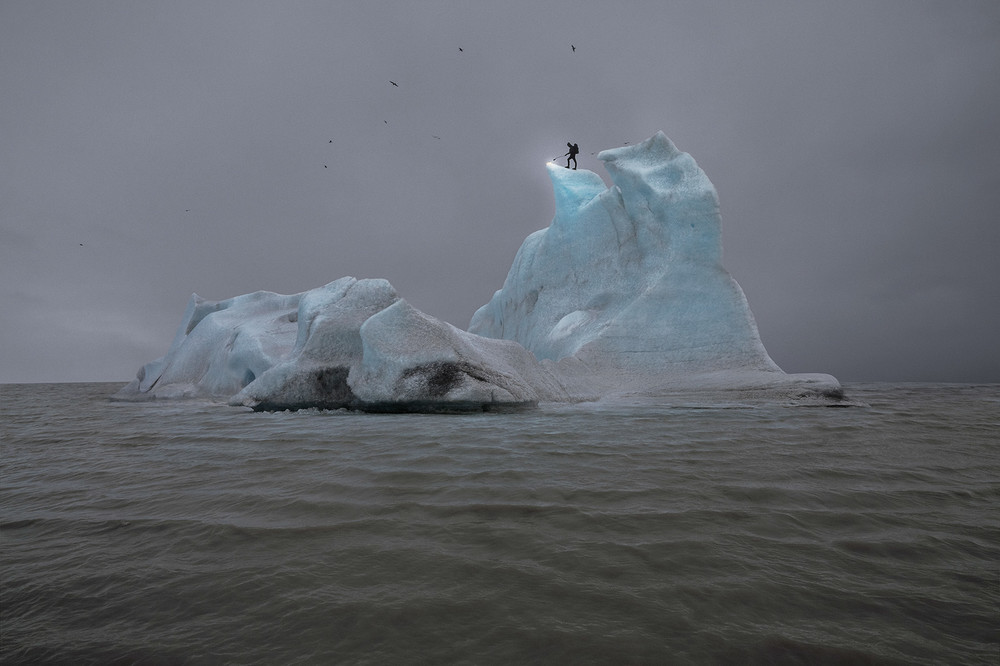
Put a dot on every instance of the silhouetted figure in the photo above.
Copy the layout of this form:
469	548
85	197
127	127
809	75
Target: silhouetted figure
394	83
573	47
571	155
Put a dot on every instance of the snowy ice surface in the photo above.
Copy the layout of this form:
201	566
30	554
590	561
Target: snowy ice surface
623	296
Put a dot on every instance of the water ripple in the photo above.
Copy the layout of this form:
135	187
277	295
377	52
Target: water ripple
195	533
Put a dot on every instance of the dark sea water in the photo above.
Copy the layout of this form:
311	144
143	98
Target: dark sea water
195	533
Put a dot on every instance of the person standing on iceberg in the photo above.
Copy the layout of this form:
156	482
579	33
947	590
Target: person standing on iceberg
571	155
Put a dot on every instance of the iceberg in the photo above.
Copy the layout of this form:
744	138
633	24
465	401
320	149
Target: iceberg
622	297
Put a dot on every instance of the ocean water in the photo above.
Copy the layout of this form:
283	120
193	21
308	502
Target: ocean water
195	533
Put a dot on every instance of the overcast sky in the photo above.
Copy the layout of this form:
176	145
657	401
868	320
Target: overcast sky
150	150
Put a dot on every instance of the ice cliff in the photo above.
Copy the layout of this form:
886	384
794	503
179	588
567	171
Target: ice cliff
623	296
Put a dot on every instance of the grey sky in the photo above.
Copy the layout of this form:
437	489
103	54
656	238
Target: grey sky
151	150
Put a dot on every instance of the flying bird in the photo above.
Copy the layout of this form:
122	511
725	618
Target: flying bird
460	49
394	83
573	47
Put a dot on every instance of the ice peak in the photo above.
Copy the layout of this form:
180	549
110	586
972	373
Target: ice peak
633	282
573	188
657	166
654	150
